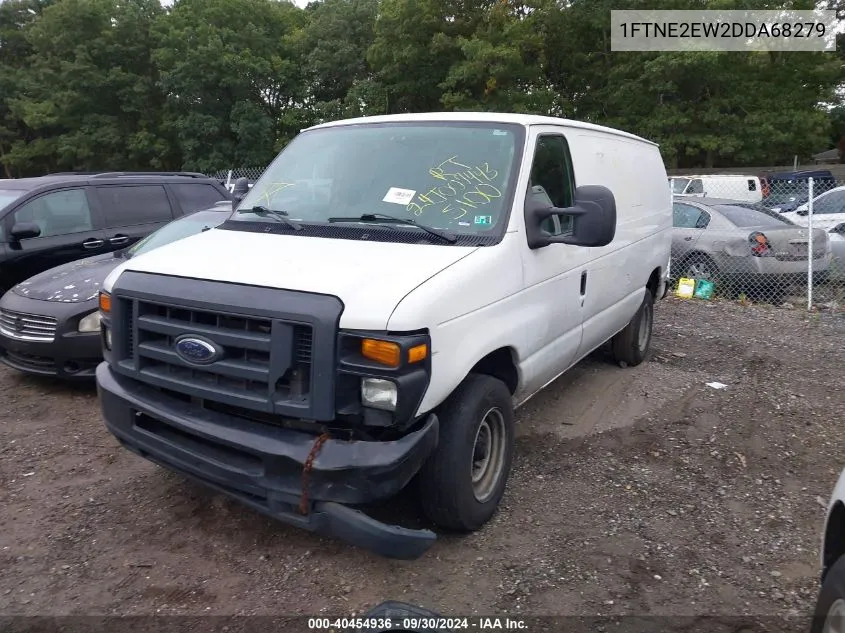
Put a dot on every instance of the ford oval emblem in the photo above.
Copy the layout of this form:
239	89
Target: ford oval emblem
197	350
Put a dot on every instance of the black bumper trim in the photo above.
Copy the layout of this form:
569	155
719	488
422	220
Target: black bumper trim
261	465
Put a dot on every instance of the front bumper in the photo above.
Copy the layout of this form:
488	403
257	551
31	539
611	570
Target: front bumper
71	355
261	465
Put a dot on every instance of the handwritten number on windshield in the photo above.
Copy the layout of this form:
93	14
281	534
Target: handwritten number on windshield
461	187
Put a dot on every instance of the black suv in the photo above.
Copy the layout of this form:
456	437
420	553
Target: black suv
54	219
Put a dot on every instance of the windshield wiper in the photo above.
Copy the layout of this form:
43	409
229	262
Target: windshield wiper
279	216
381	217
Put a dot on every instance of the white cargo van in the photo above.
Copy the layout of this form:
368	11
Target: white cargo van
377	306
724	186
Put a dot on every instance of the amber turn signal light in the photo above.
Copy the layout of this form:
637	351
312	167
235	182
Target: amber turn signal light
383	352
418	353
105	302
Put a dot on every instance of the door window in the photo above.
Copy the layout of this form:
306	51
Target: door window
196	197
552	170
829	204
57	213
696	186
685	216
132	205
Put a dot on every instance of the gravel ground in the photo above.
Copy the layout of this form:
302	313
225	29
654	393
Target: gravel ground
635	491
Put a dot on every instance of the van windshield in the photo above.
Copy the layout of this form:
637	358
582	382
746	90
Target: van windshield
457	177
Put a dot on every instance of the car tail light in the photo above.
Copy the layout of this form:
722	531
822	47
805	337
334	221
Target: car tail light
760	246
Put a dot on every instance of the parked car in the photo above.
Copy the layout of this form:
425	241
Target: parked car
55	219
50	323
829	612
743	246
828	214
735	187
790	189
383	298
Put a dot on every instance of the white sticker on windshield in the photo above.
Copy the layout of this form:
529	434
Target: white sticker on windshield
399	196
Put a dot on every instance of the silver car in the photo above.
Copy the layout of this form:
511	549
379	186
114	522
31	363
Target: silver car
743	246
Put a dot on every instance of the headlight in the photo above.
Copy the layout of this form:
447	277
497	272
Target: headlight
378	394
90	323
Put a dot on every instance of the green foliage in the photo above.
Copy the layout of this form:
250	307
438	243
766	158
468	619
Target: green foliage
212	84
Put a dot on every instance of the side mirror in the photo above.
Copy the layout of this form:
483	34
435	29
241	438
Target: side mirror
594	217
25	231
240	189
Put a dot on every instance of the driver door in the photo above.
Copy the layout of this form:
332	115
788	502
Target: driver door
70	230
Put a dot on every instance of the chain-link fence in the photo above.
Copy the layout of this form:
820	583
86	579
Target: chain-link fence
776	239
229	176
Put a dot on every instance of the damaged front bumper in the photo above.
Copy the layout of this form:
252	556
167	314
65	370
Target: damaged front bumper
261	465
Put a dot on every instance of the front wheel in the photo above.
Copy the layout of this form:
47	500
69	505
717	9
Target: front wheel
631	345
829	614
463	481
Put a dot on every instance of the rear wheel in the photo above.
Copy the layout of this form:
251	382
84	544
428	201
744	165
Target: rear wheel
631	345
700	266
463	481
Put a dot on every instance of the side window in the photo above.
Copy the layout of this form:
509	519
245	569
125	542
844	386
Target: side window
138	204
831	203
688	217
57	213
552	170
696	186
196	197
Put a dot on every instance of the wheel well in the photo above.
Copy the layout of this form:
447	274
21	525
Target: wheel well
834	536
654	282
499	364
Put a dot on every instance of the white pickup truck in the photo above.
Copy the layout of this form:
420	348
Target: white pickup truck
377	306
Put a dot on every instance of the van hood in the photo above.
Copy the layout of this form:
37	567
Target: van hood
370	278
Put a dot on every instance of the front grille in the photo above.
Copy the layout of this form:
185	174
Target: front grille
266	362
27	327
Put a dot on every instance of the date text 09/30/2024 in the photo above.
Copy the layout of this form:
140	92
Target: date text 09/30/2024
341	625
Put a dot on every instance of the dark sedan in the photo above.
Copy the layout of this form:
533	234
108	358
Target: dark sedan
50	323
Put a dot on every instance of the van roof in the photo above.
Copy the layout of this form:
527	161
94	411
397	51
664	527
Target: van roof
487	117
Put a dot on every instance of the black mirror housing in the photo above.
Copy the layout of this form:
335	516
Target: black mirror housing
240	189
25	230
594	218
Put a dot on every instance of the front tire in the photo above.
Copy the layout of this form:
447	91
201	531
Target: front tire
829	614
631	345
463	481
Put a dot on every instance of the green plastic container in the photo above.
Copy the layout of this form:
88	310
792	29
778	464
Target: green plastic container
703	289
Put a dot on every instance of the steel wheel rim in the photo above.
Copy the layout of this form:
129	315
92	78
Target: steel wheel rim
644	330
488	455
834	621
700	270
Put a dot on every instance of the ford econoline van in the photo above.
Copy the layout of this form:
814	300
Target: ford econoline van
377	306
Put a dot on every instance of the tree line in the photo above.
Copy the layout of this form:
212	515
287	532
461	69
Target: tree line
208	84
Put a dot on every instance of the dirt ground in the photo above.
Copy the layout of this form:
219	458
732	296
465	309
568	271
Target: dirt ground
635	491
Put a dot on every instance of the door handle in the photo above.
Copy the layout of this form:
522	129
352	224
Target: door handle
688	239
583	283
92	243
119	239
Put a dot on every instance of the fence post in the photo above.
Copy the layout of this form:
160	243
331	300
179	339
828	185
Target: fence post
810	246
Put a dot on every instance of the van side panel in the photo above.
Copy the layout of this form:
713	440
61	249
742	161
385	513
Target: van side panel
475	307
617	274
